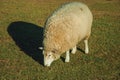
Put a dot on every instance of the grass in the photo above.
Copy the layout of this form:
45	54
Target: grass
21	26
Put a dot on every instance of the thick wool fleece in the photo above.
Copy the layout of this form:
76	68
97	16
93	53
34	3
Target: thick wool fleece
68	25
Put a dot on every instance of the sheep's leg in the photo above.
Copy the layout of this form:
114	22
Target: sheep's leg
74	50
67	59
86	46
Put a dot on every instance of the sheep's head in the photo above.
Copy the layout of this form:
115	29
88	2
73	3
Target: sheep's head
50	56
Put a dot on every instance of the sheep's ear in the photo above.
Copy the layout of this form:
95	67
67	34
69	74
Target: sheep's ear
41	48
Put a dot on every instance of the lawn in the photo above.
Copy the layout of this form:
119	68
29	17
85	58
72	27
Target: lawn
21	30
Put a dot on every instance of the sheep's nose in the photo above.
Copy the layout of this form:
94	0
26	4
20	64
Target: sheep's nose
46	65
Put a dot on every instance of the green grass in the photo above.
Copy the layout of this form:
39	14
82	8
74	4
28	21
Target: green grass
21	26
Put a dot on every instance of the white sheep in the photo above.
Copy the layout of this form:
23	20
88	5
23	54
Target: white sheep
68	25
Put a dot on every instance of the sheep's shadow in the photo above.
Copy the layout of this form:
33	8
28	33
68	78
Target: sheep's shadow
28	37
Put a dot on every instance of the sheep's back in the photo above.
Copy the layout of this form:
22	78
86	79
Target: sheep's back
68	25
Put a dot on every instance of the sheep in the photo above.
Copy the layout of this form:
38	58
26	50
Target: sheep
64	28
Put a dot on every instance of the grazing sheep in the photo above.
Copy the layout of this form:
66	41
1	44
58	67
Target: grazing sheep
68	25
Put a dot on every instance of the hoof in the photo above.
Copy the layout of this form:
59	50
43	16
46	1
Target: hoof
67	61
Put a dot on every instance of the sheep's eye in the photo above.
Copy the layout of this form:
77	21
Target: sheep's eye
49	55
53	51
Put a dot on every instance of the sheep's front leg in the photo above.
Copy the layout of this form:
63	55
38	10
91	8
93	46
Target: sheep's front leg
74	50
67	59
86	46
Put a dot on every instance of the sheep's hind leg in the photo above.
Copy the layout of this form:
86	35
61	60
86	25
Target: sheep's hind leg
74	50
67	59
86	46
